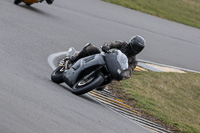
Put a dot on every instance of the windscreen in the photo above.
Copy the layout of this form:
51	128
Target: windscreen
122	59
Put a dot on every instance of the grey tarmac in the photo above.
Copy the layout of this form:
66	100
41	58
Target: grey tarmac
31	103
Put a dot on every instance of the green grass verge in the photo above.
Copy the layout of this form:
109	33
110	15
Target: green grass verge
173	98
181	11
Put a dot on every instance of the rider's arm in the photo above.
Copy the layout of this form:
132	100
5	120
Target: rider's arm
115	44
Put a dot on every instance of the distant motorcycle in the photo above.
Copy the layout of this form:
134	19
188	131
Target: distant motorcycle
30	2
92	71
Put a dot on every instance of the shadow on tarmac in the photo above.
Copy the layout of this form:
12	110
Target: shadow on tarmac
84	96
36	10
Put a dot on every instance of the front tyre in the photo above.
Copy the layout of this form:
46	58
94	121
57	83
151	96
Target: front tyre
56	75
84	86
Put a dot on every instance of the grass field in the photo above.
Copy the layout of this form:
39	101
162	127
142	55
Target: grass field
181	11
166	98
172	98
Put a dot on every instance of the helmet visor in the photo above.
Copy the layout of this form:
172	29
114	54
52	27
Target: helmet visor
137	48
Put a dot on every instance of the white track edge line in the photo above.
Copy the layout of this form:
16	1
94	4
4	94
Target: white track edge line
179	68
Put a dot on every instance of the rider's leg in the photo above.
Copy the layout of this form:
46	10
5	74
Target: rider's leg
89	49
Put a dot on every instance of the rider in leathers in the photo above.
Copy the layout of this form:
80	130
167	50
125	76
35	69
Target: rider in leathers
130	49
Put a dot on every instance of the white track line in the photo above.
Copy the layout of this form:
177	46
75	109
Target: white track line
179	68
52	58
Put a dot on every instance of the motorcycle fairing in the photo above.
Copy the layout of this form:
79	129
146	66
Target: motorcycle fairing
71	75
114	67
30	1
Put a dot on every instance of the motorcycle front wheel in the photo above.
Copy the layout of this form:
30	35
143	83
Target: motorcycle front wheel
86	85
56	75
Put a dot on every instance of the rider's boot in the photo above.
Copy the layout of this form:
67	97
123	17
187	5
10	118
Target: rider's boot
70	60
73	59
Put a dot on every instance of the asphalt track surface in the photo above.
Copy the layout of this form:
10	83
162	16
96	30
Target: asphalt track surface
31	103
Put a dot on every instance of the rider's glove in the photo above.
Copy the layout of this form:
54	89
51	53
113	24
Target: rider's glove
105	48
106	44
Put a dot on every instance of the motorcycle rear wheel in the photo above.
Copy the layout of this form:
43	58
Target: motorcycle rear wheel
28	4
17	2
84	86
56	75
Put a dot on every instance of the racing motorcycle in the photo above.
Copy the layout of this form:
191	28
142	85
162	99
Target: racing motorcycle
92	71
30	2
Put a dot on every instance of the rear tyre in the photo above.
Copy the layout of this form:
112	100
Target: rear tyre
56	75
28	4
17	2
84	86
